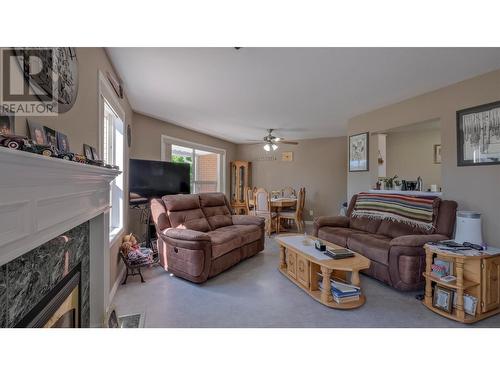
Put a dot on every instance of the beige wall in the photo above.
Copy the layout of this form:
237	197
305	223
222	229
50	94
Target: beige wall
318	165
81	122
474	187
411	154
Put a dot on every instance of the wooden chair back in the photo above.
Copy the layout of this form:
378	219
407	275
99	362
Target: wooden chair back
262	201
288	192
249	194
301	200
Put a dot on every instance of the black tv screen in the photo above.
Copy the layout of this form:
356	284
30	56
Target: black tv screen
154	179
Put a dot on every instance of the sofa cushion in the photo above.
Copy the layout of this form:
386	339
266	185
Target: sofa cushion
216	210
364	224
336	235
224	240
181	202
248	233
373	246
395	229
184	212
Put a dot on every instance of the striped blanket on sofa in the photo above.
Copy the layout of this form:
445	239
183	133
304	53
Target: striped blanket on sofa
415	211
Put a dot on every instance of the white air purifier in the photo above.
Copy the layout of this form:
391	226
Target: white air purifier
468	227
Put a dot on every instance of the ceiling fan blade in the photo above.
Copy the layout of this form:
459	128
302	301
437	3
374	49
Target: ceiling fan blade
289	142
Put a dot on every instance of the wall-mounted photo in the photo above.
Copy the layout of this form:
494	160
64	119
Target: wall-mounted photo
478	135
287	156
7	125
437	154
51	136
358	152
62	142
37	133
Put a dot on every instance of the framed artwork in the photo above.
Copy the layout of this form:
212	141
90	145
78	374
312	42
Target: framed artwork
87	151
437	154
37	133
95	154
443	298
62	142
478	135
287	156
7	122
51	136
358	152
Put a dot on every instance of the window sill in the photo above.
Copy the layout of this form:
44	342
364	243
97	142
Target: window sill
114	236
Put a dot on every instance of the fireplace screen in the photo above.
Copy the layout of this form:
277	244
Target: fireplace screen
60	308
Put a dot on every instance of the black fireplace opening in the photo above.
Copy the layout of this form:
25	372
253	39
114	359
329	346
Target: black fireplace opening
61	307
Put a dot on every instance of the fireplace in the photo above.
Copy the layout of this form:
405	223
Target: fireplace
49	285
60	308
42	201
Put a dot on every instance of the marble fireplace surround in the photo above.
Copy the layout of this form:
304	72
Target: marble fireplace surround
42	198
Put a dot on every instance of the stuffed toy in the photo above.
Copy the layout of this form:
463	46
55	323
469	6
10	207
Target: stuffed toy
133	252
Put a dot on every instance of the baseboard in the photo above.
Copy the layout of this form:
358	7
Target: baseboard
117	283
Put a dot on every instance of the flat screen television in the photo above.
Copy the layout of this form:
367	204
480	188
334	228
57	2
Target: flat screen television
154	179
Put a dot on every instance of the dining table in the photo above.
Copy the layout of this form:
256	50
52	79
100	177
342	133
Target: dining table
277	204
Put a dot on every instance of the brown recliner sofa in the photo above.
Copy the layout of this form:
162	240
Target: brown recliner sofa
199	238
395	249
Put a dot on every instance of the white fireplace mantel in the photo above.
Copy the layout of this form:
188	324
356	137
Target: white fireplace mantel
43	197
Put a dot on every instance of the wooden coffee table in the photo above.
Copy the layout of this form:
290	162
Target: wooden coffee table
301	264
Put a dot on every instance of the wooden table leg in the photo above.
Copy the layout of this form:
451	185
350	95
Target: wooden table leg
355	278
460	291
282	257
428	282
326	293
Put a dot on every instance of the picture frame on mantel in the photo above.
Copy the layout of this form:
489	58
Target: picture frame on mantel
359	152
478	135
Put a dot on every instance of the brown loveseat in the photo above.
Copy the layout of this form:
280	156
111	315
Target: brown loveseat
395	249
199	238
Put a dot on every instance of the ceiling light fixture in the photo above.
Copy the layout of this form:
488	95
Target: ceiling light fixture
269	145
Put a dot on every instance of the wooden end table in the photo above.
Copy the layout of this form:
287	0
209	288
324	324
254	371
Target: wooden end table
299	265
478	276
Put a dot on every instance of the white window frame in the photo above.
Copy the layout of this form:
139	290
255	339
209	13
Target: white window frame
106	93
166	153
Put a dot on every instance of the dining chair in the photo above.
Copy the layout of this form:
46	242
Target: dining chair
298	214
249	202
263	209
288	192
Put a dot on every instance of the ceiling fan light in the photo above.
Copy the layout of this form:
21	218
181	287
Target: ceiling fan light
275	147
267	147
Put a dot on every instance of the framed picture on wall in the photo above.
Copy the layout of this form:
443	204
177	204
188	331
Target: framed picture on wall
358	152
437	154
478	135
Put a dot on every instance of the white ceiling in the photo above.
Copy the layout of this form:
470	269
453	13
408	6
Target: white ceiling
304	92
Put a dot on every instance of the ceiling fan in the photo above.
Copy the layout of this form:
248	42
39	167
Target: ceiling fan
271	141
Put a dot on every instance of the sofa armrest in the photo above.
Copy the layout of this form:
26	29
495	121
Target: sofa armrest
248	220
184	235
416	240
331	221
